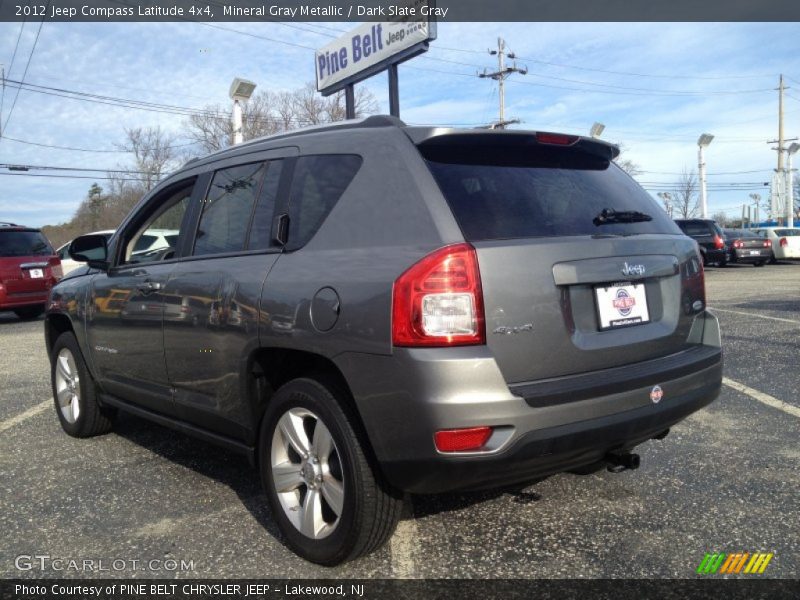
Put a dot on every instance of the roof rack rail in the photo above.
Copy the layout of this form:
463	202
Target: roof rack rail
366	122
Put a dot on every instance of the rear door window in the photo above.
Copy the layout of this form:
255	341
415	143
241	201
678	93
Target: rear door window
318	183
497	201
24	243
227	209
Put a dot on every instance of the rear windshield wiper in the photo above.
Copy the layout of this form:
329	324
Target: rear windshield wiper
609	215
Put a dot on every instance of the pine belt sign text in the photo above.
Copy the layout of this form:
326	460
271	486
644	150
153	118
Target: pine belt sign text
367	47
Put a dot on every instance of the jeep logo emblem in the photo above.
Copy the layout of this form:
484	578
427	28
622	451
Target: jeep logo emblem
629	270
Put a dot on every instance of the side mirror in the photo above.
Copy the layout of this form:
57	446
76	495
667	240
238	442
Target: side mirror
91	249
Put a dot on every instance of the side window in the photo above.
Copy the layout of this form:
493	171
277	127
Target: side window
261	230
227	209
156	239
318	183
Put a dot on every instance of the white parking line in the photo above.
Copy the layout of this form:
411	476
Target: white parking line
31	412
762	397
402	546
749	314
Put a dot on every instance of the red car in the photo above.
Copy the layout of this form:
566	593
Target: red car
29	267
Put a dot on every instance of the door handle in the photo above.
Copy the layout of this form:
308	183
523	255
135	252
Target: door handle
148	287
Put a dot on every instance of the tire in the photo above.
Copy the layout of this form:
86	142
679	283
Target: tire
27	313
759	264
74	391
772	259
356	510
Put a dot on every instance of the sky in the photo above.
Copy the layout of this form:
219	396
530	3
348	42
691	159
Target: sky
655	86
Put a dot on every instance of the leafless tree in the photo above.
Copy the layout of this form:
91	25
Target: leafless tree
154	153
722	219
685	195
273	112
626	164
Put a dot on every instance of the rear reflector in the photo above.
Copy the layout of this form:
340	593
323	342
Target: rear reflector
556	139
462	440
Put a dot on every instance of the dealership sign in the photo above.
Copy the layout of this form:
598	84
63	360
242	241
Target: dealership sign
373	47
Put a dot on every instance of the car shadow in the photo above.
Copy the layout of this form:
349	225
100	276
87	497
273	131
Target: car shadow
222	465
10	317
233	470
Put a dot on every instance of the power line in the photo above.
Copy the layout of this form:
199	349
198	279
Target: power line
28	64
18	167
97	178
85	149
606	71
11	66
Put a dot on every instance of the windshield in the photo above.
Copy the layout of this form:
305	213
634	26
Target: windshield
24	243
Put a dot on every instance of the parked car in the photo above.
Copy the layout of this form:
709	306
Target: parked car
398	310
710	239
67	264
785	241
29	267
745	246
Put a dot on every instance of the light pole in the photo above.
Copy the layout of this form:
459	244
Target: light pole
702	142
597	130
790	151
241	90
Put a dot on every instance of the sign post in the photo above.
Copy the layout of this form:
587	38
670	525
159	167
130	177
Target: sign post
374	47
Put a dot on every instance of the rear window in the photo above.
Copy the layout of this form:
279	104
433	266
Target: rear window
738	233
496	201
696	227
787	232
24	243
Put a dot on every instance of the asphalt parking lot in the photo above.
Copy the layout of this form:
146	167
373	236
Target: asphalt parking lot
725	480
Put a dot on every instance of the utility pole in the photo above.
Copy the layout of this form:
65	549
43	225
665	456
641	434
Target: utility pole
779	191
756	198
500	76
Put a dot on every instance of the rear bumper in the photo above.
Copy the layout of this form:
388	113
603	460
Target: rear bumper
744	256
10	301
543	452
405	398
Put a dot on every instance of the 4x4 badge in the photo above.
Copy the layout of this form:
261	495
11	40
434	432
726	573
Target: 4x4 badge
633	270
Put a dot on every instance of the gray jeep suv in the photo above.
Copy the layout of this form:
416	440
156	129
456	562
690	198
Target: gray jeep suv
368	309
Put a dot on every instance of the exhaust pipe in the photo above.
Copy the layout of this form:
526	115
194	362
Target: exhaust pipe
618	462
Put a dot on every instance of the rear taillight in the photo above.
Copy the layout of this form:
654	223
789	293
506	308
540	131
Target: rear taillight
438	301
738	244
719	244
767	244
784	242
462	440
55	267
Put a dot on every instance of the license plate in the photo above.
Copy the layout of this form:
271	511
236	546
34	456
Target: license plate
36	273
622	305
755	252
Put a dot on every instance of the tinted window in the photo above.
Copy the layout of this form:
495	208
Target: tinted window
787	232
694	228
261	231
227	209
144	242
318	183
24	243
494	201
